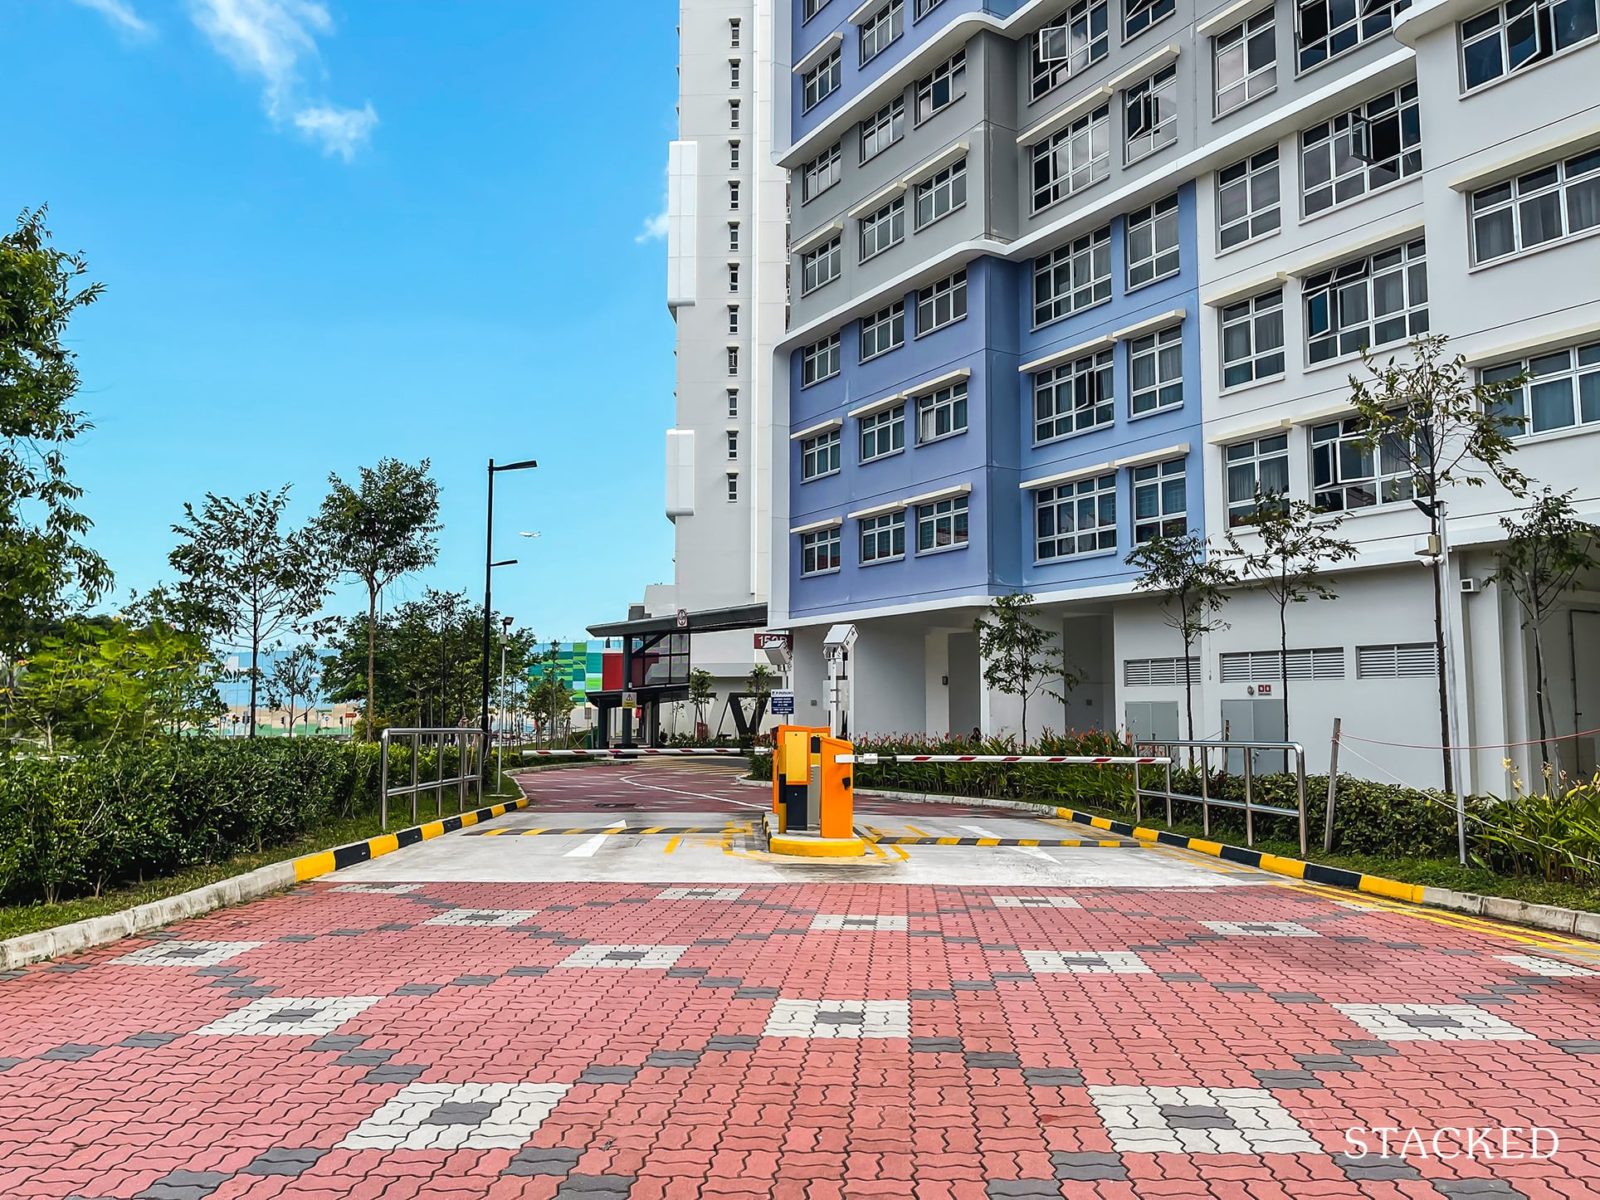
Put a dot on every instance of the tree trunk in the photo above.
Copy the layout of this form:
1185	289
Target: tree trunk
1439	667
253	674
1188	699
1539	691
372	642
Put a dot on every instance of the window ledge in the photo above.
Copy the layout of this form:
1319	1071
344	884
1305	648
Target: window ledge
1559	243
1344	205
1240	107
1139	287
811	431
818	527
943	437
1248	242
1234	14
1076	433
878	562
817	53
818	574
1344	360
1254	383
1072	558
941	550
1154	412
1555	435
814	478
867	462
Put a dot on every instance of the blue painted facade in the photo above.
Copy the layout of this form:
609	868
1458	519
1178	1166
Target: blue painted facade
833	17
997	453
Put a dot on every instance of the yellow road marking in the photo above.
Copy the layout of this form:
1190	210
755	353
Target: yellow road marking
1438	916
672	844
920	832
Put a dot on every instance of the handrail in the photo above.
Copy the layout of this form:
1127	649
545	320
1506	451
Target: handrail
1205	800
466	741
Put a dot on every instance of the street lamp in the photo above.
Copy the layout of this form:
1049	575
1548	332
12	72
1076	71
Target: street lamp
488	579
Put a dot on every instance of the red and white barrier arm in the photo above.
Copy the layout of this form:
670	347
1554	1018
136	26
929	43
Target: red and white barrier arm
636	752
1075	760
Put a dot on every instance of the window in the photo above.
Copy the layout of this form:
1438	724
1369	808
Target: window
819	456
733	488
733	318
733	236
1370	302
1153	243
1068	44
820	266
733	194
1261	464
1072	278
1369	147
1072	158
1348	474
812	8
820	174
1406	660
821	81
1075	518
942	525
883	331
1523	33
883	128
1252	339
883	433
819	551
1073	398
1159	672
879	31
733	114
733	444
942	413
1160	501
733	277
1245	62
883	539
942	303
819	361
1155	370
1562	389
1544	206
1325	29
941	194
884	228
733	73
1247	199
1150	114
1269	666
1139	15
733	360
946	85
733	156
733	402
924	7
733	33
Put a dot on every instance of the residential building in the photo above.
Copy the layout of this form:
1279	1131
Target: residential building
1071	275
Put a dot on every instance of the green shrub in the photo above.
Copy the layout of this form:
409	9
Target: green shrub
1553	836
70	826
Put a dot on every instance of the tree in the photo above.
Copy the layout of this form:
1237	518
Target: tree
758	684
295	675
1546	549
1191	585
1018	656
1296	541
250	577
46	568
378	531
551	696
1432	424
701	693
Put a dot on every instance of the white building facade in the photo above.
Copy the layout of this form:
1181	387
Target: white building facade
1171	228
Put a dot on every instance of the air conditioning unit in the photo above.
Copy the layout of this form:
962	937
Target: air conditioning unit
1470	585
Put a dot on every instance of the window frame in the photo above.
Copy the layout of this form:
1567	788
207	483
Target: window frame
893	16
1059	383
733	444
823	450
947	181
830	161
950	293
829	252
952	73
888	322
1340	140
1159	90
814	544
1247	36
1043	76
1408	263
1346	488
890	218
1161	346
892	116
1049	182
821	81
1074	499
1243	175
1092	249
1153	479
1516	205
873	530
1270	448
1582	365
1157	216
886	428
951	402
1368	19
1544	30
1249	313
823	351
954	512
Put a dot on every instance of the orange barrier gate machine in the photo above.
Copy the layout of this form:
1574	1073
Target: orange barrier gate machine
811	792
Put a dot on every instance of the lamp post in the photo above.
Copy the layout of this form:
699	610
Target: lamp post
488	578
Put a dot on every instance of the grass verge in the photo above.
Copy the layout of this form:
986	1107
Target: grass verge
19	919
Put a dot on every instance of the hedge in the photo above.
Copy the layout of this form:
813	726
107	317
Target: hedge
77	825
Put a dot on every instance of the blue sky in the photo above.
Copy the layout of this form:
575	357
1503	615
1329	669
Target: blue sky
335	231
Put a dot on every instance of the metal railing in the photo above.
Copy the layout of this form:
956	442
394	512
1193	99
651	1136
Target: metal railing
1205	800
471	750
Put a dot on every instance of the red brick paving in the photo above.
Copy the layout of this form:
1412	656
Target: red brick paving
790	1116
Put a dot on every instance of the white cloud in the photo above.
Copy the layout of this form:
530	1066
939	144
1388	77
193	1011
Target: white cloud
119	13
655	228
273	41
340	131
